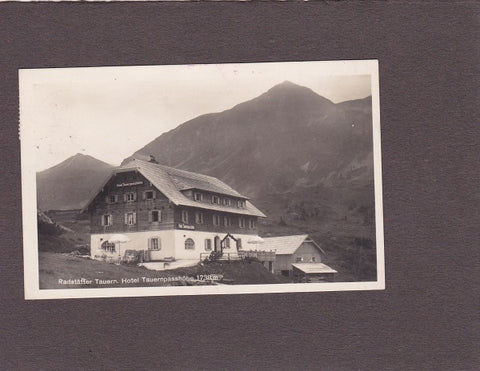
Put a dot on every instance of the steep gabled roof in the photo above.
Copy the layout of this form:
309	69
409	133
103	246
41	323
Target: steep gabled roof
172	181
286	245
184	180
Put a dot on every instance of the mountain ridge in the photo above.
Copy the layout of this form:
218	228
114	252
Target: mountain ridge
69	184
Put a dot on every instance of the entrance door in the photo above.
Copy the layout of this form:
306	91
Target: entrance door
217	244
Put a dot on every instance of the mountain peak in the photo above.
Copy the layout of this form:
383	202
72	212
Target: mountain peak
288	85
289	91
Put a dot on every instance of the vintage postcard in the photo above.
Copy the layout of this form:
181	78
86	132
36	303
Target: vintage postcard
201	179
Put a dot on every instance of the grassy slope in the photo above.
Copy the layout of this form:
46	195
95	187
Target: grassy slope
54	266
335	220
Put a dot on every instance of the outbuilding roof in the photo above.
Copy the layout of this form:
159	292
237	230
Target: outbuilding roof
286	245
311	268
171	182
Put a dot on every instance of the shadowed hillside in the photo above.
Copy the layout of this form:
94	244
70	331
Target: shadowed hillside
70	184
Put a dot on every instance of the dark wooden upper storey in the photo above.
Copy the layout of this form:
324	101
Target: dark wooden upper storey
143	196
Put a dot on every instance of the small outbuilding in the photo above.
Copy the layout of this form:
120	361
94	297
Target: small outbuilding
312	272
292	250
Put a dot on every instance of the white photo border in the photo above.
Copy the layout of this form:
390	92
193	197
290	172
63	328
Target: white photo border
29	209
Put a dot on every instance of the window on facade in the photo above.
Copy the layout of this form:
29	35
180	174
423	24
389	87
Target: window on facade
189	244
241	204
298	259
313	259
107	219
227	242
155	243
215	200
149	195
208	244
226	201
252	224
241	222
239	244
216	220
199	217
108	246
130	218
112	199
226	221
197	196
130	197
184	216
156	216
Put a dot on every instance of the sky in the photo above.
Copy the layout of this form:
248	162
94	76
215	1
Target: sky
111	112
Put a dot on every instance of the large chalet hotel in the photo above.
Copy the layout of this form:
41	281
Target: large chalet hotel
171	213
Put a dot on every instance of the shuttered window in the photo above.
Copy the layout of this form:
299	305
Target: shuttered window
149	195
130	197
131	218
111	199
155	243
155	216
107	220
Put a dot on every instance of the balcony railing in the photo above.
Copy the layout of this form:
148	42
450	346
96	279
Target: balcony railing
263	256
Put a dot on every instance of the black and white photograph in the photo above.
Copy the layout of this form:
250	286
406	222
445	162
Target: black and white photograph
201	179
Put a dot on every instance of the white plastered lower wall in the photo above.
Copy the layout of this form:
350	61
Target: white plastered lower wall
138	241
172	244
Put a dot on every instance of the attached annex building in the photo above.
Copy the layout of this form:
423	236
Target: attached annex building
174	214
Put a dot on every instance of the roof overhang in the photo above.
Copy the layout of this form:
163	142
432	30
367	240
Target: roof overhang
314	268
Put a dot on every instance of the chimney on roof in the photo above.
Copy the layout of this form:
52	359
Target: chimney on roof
152	159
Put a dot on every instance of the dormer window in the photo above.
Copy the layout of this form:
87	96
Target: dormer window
241	204
226	201
197	196
215	200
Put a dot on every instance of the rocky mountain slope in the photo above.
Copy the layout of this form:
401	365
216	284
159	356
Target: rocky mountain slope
70	184
285	139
